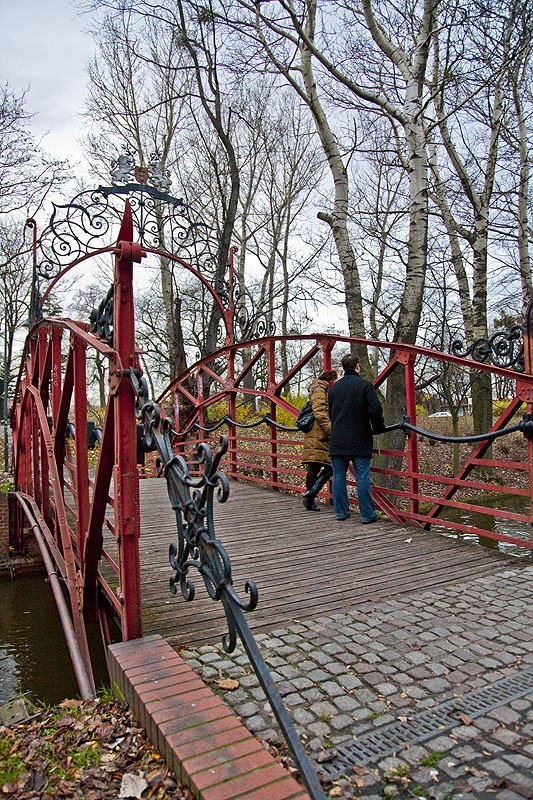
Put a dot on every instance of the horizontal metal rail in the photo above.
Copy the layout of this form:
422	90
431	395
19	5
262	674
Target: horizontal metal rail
525	426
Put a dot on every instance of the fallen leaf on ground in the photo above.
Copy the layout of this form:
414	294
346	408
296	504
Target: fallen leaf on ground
228	683
132	786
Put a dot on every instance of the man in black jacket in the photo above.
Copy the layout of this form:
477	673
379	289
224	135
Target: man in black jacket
356	415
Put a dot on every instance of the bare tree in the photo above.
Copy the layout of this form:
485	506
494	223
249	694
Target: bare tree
394	50
135	104
474	55
379	221
296	67
27	173
15	291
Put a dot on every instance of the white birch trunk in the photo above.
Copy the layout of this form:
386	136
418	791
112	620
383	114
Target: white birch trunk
523	195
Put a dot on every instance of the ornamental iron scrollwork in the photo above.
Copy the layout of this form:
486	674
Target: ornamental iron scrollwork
197	548
502	349
249	321
101	319
92	220
75	228
192	501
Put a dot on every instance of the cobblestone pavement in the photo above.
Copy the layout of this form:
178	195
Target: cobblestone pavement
346	675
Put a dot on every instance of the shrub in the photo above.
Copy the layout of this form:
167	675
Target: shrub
6	483
245	413
499	406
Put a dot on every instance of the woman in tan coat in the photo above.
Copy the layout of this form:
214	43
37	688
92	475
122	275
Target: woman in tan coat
316	442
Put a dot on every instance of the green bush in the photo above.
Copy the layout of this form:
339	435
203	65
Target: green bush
6	483
245	413
499	406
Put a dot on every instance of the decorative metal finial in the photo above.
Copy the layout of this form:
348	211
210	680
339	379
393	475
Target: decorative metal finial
123	168
157	175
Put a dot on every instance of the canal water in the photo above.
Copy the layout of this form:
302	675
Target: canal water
507	527
34	658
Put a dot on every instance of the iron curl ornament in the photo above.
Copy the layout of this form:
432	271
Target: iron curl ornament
91	221
502	349
101	318
198	548
192	499
249	321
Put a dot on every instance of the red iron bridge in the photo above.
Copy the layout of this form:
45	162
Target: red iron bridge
221	484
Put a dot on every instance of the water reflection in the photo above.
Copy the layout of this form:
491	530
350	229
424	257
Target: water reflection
506	527
34	657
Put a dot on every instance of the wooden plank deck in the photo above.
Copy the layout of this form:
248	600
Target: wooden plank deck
304	564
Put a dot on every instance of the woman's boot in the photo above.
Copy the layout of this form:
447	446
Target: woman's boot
309	500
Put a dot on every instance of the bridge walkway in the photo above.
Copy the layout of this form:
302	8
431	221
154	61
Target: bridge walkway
303	563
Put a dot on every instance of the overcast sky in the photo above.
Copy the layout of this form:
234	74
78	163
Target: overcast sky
43	49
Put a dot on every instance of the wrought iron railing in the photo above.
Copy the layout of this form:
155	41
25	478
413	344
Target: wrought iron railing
265	449
525	426
197	548
502	349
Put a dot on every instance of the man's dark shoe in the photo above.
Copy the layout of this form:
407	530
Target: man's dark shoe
369	521
340	519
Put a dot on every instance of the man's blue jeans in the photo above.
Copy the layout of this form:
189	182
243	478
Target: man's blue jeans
361	466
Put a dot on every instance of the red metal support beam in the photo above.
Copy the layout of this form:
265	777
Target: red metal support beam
528	395
475	455
31	401
126	481
80	424
94	540
56	372
232	413
271	390
326	345
412	441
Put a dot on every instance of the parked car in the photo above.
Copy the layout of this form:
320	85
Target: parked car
440	414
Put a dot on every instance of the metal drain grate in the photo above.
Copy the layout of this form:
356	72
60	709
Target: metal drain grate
386	740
